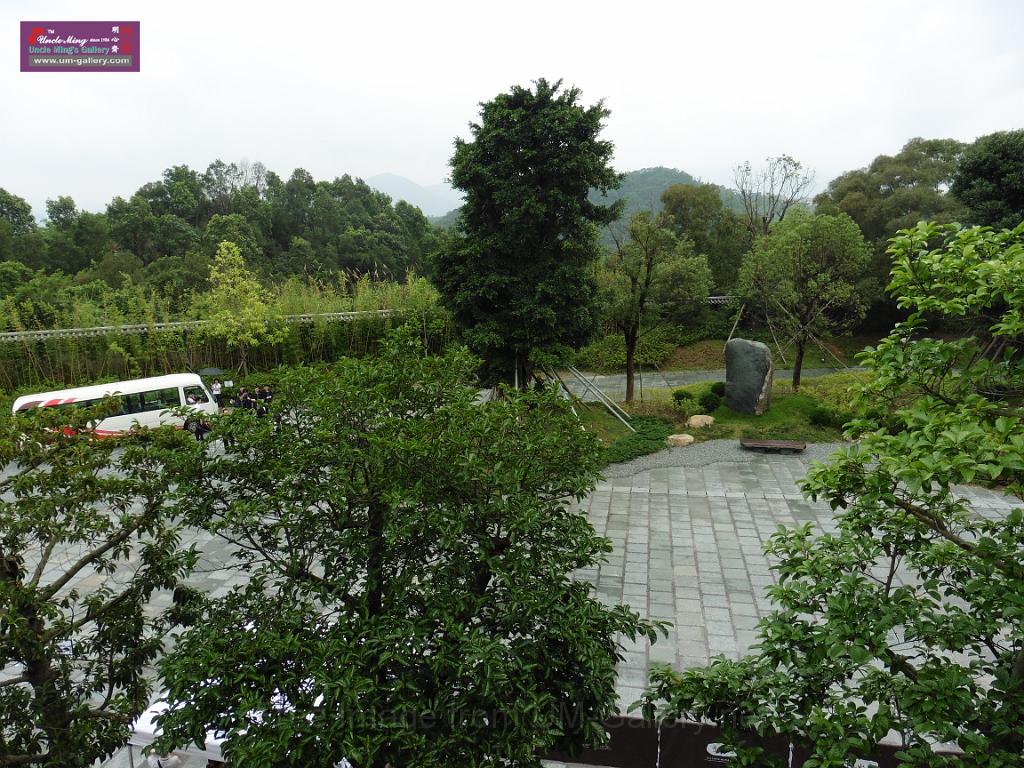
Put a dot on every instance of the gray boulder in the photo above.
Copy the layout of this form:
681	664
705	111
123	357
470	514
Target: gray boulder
748	376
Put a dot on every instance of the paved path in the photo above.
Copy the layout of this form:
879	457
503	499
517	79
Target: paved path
614	385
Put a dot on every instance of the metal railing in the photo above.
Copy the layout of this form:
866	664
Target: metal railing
186	325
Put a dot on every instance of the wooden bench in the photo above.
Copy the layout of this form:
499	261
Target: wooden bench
773	446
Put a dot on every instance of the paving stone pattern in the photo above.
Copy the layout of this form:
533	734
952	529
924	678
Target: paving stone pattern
688	549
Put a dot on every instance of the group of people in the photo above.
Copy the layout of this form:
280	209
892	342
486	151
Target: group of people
258	399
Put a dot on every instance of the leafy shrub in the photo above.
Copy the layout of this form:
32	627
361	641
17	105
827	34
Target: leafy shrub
685	402
682	396
826	416
649	438
821	416
718	388
709	402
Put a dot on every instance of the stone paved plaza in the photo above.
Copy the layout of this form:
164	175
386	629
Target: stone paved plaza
688	549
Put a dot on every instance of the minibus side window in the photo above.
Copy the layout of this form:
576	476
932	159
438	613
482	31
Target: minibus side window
132	403
159	399
195	396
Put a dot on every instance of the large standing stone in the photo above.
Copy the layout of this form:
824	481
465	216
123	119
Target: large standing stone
748	376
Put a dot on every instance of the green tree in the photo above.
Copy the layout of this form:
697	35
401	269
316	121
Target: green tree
16	212
234	229
74	239
115	269
893	193
989	179
6	241
12	275
696	211
133	227
645	279
61	213
237	309
412	600
808	277
517	274
896	192
179	193
178	278
88	532
910	617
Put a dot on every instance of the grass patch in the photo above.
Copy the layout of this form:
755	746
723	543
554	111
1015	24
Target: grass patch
649	437
619	443
788	418
598	420
833	390
702	356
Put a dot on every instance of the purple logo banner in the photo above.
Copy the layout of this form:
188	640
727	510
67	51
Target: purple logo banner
79	46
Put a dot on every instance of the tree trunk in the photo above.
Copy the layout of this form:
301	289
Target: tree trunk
375	559
631	339
798	364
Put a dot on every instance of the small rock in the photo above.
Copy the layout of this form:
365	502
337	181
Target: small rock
698	422
679	440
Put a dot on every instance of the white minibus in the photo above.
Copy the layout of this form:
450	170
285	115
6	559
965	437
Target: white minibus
144	402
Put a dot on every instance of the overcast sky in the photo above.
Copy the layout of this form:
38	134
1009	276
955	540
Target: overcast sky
367	88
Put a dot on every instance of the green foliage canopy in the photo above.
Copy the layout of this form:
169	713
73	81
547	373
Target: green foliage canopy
651	277
696	211
989	179
411	552
89	530
237	308
895	192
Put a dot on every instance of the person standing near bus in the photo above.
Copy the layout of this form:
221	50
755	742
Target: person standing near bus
215	390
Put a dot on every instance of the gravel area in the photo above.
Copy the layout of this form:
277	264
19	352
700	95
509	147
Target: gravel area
710	452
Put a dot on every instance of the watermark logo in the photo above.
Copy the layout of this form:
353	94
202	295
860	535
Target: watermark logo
79	46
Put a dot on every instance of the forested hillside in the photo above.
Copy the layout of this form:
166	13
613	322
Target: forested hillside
164	234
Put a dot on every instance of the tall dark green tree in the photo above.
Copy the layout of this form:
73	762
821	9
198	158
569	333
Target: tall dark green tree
517	274
989	179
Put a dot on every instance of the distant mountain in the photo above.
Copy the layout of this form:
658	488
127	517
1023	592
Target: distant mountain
433	200
447	221
641	191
